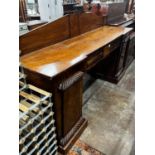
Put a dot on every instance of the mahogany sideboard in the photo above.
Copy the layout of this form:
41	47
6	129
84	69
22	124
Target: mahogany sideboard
59	68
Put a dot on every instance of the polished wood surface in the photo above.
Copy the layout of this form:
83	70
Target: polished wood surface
74	25
89	21
59	68
45	35
84	22
64	28
54	59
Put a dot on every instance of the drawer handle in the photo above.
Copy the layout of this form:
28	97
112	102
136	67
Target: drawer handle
109	45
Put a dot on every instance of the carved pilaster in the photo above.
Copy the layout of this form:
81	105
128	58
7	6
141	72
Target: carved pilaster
70	81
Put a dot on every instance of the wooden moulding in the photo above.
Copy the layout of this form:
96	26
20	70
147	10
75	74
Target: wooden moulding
67	142
67	83
72	121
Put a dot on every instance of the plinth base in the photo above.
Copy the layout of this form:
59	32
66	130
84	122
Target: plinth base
68	141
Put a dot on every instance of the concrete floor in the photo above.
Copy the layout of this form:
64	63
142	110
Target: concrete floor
109	110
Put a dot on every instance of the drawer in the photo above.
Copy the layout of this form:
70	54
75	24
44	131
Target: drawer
115	44
93	59
111	47
106	51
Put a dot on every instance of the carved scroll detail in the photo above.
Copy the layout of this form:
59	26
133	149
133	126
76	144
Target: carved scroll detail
67	83
64	140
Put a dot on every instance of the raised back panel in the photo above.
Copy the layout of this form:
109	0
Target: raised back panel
45	35
89	21
64	28
74	25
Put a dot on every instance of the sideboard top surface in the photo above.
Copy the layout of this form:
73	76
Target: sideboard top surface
54	59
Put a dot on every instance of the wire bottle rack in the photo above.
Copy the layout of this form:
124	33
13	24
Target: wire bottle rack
36	124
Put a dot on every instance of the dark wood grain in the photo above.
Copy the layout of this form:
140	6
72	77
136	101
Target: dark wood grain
59	69
54	59
47	34
112	67
84	22
64	28
130	54
89	21
67	88
74	25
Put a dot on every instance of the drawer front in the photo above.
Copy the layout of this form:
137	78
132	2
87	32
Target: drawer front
106	50
115	44
111	47
93	59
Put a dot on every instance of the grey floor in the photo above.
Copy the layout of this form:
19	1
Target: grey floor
109	110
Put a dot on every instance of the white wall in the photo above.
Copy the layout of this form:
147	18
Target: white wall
59	8
50	9
43	9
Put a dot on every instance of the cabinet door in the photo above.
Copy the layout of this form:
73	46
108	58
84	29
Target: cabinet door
121	57
130	54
